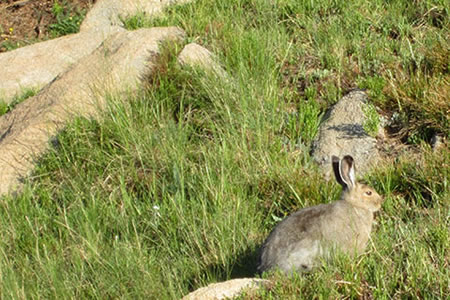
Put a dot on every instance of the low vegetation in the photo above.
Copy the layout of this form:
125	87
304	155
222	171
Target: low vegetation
23	23
176	186
68	19
7	106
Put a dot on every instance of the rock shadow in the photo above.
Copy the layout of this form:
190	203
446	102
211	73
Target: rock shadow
350	131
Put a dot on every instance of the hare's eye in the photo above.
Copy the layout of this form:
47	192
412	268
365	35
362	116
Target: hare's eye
368	193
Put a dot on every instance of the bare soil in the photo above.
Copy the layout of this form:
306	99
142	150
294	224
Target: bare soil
23	22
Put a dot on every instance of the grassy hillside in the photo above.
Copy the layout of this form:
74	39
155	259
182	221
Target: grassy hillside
178	185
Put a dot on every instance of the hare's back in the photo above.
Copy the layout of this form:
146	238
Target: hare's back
305	221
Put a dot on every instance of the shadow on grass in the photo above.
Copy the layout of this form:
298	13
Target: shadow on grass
243	266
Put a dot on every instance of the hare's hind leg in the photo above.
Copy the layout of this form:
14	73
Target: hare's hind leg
302	257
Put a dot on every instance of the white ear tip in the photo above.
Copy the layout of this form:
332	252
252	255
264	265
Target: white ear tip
352	176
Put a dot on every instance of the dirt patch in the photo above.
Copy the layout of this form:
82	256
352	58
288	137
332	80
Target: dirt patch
23	22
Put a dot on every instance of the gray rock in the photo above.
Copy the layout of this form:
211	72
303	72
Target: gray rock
227	289
116	66
342	133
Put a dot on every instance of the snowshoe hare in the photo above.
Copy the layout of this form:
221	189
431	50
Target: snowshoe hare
298	242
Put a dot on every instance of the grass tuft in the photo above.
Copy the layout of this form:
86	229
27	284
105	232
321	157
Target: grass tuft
68	20
6	107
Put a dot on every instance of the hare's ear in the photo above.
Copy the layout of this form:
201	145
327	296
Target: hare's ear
335	162
347	171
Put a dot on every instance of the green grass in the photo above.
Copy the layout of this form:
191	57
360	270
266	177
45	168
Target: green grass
372	122
6	107
68	19
177	186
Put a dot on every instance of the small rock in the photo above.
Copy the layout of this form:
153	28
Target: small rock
437	142
195	55
227	289
342	133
